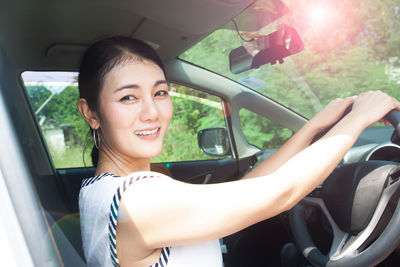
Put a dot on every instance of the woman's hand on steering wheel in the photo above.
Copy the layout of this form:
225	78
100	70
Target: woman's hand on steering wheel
371	107
332	112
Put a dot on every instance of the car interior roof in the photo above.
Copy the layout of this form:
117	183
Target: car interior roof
55	33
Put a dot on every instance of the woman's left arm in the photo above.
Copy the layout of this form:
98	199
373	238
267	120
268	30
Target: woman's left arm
302	139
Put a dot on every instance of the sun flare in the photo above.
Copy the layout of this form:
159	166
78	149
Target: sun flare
318	14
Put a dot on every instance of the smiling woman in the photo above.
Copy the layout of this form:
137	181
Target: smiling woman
129	113
131	216
125	103
179	215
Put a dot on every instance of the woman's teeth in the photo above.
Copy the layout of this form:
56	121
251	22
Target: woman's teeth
143	133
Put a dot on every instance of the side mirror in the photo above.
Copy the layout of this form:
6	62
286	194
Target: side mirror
266	49
214	141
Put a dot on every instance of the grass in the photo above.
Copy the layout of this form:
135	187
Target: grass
71	158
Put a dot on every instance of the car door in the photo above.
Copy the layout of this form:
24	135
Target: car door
182	157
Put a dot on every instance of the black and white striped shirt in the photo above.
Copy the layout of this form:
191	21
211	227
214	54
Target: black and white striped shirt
99	200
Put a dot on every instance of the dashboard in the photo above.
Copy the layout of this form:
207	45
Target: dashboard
373	144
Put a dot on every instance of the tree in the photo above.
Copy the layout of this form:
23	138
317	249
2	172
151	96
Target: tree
37	94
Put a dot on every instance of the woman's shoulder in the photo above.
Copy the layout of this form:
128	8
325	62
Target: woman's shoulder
106	178
98	177
146	174
103	189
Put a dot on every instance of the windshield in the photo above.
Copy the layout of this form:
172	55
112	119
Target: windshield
349	47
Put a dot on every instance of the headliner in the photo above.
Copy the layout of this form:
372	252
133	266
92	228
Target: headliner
51	35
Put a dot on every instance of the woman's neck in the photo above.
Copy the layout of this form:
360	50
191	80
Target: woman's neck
121	167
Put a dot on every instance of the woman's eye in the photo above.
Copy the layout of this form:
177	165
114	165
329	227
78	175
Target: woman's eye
161	93
128	98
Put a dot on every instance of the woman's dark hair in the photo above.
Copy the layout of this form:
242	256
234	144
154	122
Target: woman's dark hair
103	56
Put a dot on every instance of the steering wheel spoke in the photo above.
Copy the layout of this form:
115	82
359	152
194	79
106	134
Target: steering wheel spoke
339	237
359	240
350	247
342	244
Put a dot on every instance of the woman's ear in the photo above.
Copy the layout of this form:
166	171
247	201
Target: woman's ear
88	114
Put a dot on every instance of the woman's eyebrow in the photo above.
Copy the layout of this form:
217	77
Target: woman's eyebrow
128	86
159	82
135	86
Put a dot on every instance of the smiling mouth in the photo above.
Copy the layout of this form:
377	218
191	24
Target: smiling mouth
147	132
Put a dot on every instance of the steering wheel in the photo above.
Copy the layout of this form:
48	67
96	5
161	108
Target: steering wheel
357	201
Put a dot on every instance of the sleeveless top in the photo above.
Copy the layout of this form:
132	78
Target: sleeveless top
99	200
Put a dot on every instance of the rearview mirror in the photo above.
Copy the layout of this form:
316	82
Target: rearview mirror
270	48
214	141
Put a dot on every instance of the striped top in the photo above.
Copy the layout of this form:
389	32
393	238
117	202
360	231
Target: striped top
99	200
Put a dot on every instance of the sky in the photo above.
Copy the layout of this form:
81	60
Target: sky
55	81
49	76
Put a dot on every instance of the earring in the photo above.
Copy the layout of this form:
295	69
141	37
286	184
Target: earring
96	139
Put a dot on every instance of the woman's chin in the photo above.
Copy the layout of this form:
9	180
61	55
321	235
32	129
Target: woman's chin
148	153
141	149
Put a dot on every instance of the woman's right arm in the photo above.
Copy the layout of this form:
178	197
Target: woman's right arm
167	212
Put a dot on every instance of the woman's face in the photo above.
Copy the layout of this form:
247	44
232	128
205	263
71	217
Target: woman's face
135	110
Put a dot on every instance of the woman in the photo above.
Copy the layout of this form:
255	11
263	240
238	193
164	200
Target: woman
133	217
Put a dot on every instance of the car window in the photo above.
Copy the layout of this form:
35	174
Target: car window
261	132
53	96
193	111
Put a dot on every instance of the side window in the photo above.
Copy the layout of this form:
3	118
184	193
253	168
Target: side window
53	97
261	132
193	111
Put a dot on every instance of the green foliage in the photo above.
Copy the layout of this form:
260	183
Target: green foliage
64	109
262	132
61	109
72	157
193	111
37	94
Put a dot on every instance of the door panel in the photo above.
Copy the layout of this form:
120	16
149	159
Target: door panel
199	172
196	172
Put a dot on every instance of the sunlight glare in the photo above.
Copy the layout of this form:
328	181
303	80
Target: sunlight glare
318	14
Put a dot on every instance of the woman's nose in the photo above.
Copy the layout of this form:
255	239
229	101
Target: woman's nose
149	110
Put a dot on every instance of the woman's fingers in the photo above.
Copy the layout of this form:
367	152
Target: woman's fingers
332	112
372	106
